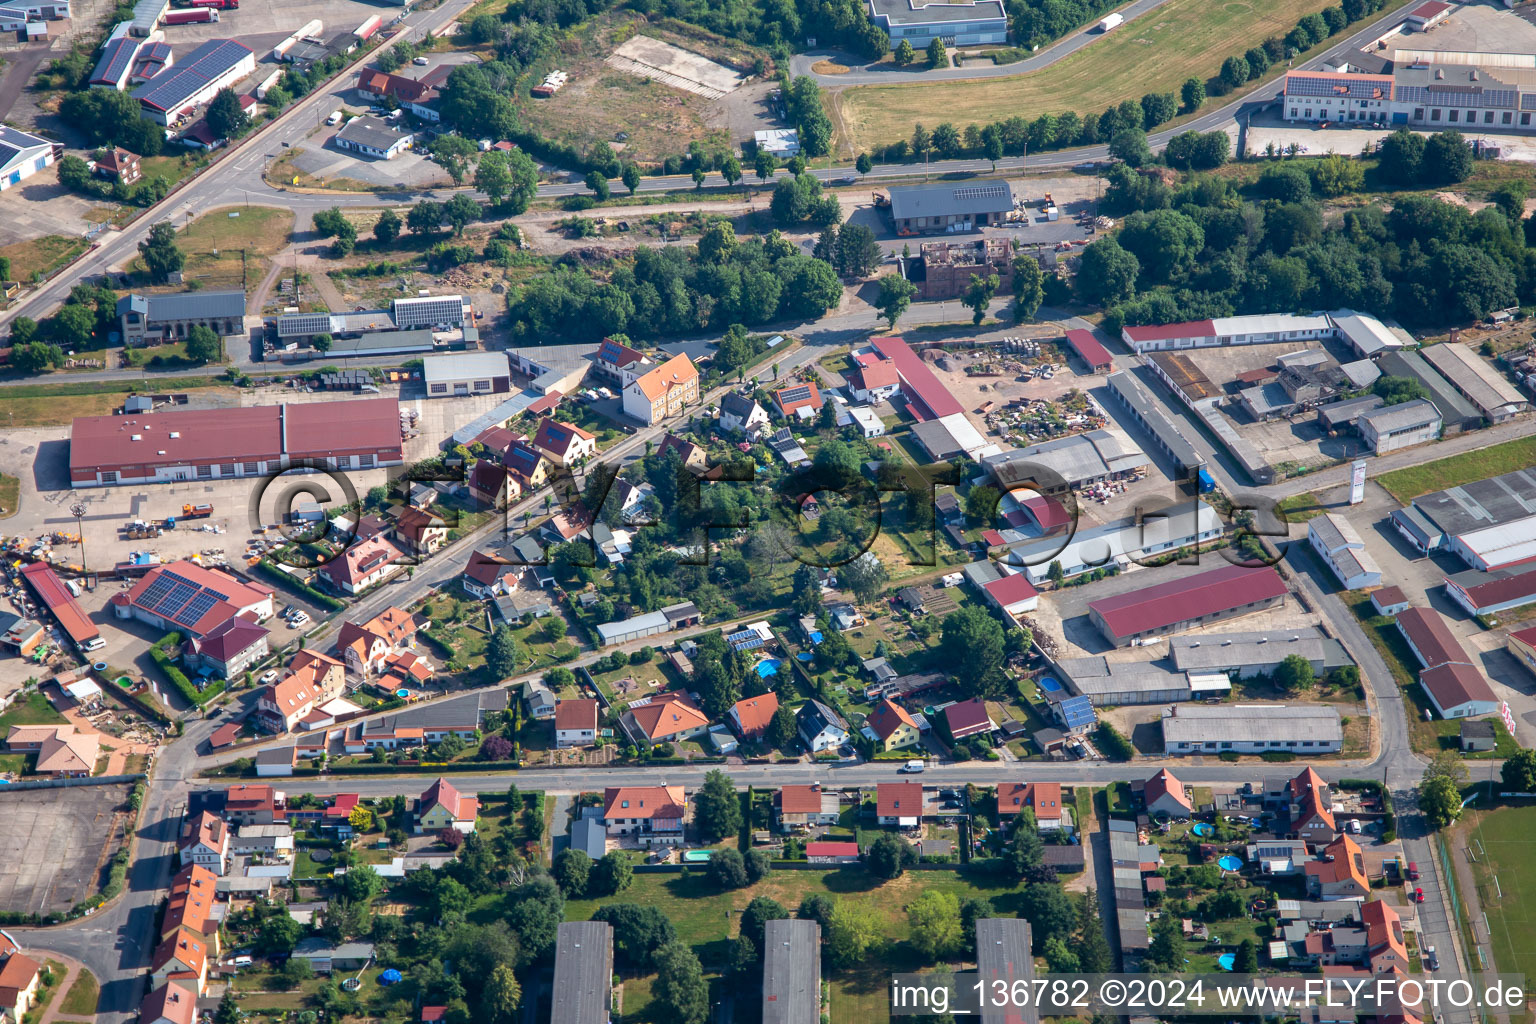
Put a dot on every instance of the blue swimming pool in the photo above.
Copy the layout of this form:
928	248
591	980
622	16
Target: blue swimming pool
1227	961
806	656
1049	684
1202	829
1230	862
696	856
768	667
402	694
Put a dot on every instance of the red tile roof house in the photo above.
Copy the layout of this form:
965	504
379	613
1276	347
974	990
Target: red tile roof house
192	600
493	485
1458	691
442	806
281	705
420	532
171	1003
362	566
1164	794
832	853
205	842
565	444
797	400
750	717
182	957
652	814
968	718
1042	798
252	804
1311	811
899	804
18	984
1386	948
576	723
874	382
1186	602
489	575
366	647
804	806
1340	875
229	648
620	362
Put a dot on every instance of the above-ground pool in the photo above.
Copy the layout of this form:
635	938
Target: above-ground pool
695	856
1227	961
768	667
124	682
1230	862
402	694
1049	684
1202	829
806	656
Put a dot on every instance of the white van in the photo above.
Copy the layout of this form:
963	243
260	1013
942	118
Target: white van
242	961
334	119
95	643
913	767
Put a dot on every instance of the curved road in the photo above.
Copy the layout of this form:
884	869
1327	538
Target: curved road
881	73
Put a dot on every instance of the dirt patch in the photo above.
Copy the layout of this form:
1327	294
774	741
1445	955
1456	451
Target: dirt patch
829	67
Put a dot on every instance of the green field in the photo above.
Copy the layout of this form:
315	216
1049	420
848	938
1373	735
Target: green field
1154	53
33	709
1412	481
1509	855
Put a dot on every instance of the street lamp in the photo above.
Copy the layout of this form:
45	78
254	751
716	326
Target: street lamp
78	511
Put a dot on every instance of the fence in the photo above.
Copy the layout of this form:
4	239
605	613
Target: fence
100	780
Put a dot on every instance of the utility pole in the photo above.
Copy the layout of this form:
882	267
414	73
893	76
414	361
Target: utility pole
78	511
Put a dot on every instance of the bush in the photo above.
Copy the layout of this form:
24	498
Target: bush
160	654
1113	743
299	587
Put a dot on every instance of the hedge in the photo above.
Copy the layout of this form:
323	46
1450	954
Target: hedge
299	587
178	678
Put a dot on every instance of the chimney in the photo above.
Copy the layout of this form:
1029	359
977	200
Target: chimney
1439	74
1474	74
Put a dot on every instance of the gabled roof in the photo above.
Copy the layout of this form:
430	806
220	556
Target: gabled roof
1454	684
415	522
1044	799
361	559
644	802
618	354
1426	630
739	406
755	713
1165	784
1012	797
485	568
290	695
229	639
208	829
887	718
799	799
580	713
791	398
878	374
183	946
967	717
1187	598
899	800
463	808
1347	863
193	598
15	976
1383	929
814	716
668	714
555	436
170	1002
249	796
1011	589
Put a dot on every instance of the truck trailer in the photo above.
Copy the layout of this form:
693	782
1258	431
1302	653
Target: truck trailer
1112	21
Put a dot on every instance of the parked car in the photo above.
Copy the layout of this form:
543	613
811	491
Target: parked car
1413	871
269	676
1418	895
1431	958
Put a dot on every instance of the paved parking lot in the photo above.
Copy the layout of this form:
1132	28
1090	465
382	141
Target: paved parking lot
55	845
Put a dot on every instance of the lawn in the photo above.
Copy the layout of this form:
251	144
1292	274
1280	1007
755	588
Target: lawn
1298	508
33	709
39	405
228	247
1411	481
703	916
171	357
10	495
1509	856
1155	53
1424	736
41	255
82	996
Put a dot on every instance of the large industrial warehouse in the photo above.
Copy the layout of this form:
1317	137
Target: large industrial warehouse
1181	604
215	444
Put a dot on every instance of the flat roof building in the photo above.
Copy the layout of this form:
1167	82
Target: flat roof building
583	973
1334	539
1145	411
215	444
1116	544
1003	960
973	23
948	206
461	374
1254	653
1180	604
792	972
373	137
1252	728
1487	593
1119	683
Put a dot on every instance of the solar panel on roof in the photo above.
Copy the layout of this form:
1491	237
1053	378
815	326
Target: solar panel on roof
746	640
196	609
157	591
179	595
992	191
795	394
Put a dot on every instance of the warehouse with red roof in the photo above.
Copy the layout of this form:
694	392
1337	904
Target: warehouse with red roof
1182	604
216	444
1087	348
50	590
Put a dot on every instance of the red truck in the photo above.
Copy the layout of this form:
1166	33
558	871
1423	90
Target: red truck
196	511
199	16
222	5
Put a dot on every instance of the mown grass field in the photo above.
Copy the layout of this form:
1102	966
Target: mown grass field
1411	481
1509	854
1154	53
51	405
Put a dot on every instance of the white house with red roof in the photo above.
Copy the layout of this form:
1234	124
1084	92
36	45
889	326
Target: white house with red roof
899	804
564	444
575	723
619	362
1164	794
282	705
230	647
874	381
490	575
652	814
362	566
366	647
442	806
205	841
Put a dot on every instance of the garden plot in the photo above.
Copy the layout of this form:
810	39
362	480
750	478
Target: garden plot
645	57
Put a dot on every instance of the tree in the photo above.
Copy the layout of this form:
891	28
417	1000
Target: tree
1107	272
858	253
330	223
1247	961
1049	910
226	119
972	646
981	503
1192	92
278	934
597	183
630	176
638	931
612	874
228	1011
454	153
160	253
503	653
1059	958
459	211
452	838
1335	175
500	996
1130	145
935	923
904	53
865	576
730	170
1400	156
895	296
1027	851
1158	108
1509	197
1295	675
361	884
781	729
425	218
1447	159
296	970
1092	948
978	296
572	870
1439	799
889	856
698	176
862	163
937	56
1028	288
992	147
387	228
1234	72
680	984
764	164
755	918
1397	390
203	345
717	242
855	932
1519	772
1166	951
717	807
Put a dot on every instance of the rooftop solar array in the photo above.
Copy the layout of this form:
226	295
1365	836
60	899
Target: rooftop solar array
995	190
174	86
799	393
746	640
115	58
1077	712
